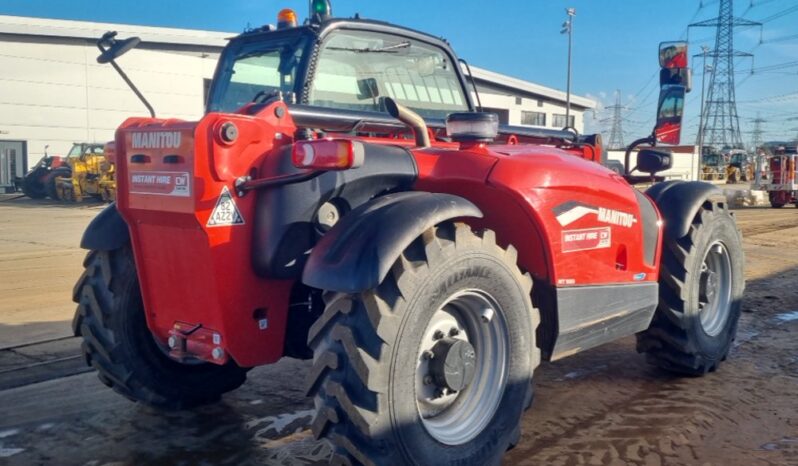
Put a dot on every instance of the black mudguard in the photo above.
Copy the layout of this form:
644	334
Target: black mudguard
357	253
679	201
107	231
285	217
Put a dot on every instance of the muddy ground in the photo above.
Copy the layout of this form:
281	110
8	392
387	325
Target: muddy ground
602	407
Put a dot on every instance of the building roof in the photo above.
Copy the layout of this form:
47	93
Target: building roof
528	87
59	28
26	26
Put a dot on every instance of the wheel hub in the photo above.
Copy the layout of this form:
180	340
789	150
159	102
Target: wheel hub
453	364
714	295
461	371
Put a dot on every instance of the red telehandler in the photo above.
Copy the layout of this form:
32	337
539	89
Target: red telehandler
345	200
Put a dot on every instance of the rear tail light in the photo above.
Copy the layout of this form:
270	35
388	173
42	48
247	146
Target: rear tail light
328	154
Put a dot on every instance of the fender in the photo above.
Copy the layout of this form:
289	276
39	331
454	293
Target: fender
679	201
357	253
106	231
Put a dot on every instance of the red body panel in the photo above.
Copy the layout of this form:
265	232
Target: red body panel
189	272
518	187
196	276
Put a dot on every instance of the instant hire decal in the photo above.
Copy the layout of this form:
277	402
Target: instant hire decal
226	212
161	183
583	240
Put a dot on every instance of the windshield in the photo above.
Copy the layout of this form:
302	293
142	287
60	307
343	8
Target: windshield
356	68
255	71
76	151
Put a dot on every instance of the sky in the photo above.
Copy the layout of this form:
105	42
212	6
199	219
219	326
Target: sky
614	44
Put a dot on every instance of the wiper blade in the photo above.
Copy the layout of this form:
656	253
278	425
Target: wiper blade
388	49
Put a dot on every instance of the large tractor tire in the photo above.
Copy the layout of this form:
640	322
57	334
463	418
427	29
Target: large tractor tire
733	176
116	341
434	366
701	287
776	199
50	182
32	185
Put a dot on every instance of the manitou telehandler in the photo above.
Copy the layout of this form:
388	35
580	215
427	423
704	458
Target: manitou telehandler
344	199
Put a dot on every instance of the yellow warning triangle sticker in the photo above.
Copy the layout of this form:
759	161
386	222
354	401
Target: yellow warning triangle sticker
226	212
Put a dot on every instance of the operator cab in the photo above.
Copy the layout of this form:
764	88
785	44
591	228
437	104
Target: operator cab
344	64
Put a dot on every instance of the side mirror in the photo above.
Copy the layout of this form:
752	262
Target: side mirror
652	161
112	48
367	89
673	55
669	114
676	77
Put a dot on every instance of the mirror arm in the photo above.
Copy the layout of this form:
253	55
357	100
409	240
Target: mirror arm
129	82
473	84
650	140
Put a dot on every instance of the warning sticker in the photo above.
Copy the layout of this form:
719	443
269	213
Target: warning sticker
583	240
161	183
226	212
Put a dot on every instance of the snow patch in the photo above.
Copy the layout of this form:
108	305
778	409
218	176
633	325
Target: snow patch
6	452
8	433
276	425
787	317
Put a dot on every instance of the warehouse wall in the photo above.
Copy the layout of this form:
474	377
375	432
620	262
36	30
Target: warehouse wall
492	99
53	92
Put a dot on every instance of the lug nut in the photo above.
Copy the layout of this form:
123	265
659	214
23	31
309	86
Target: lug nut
453	332
172	342
428	355
427	380
438	335
217	353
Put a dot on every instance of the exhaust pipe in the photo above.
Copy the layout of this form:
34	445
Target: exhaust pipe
410	118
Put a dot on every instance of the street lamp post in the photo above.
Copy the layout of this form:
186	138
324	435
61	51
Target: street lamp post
568	29
704	49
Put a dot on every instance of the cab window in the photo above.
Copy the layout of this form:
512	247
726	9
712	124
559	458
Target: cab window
356	68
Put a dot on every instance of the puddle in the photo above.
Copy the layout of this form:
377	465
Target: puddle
787	317
778	445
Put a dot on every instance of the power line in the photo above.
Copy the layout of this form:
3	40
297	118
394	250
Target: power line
720	123
616	134
756	134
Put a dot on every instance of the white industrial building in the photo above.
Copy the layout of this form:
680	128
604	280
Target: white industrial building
53	92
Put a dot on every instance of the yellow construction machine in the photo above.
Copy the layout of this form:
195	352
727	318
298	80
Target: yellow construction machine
89	172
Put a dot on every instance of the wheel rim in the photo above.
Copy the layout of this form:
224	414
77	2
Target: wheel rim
456	417
714	297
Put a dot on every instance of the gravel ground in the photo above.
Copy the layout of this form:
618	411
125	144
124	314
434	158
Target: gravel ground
602	407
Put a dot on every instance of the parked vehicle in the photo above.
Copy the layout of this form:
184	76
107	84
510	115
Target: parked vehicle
344	200
740	167
35	182
86	172
713	165
779	178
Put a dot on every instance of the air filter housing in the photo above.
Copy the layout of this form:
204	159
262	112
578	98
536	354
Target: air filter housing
472	126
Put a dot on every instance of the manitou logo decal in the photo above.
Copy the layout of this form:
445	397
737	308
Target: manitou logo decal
156	140
572	211
615	217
